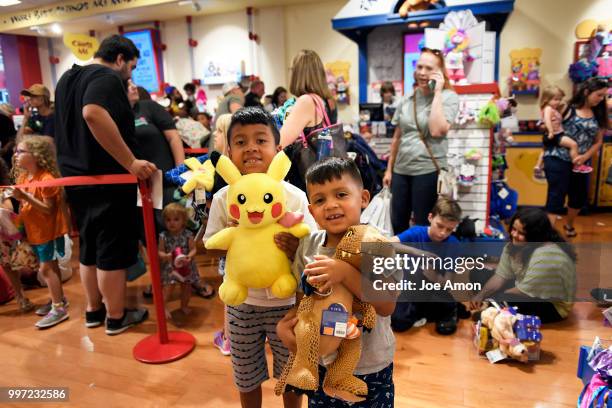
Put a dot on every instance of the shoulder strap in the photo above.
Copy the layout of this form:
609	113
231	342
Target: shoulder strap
416	121
320	109
570	111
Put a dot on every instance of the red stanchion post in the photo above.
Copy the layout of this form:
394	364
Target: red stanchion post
164	346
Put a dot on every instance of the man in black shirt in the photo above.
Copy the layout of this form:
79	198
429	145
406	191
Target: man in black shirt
94	134
253	98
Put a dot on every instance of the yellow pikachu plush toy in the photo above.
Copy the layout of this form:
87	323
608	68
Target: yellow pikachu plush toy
257	201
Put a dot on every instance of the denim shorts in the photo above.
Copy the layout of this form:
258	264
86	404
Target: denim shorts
50	251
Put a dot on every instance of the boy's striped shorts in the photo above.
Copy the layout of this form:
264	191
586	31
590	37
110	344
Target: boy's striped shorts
248	328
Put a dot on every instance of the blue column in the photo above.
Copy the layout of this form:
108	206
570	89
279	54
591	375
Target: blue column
362	43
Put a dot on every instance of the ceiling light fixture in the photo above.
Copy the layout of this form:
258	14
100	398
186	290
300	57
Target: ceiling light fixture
5	3
193	3
39	30
56	28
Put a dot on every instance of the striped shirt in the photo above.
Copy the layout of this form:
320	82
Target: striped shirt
550	275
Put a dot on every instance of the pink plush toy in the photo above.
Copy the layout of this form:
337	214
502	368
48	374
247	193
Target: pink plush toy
181	265
605	63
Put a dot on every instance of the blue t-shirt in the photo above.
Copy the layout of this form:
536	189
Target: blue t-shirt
419	233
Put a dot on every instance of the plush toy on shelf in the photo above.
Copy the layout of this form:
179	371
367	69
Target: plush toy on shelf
456	27
489	114
456	55
466	115
594	59
604	63
518	79
525	70
257	201
317	336
330	78
342	90
415	5
533	76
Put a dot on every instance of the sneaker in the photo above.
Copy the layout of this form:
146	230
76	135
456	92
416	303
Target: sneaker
583	168
131	317
447	325
46	308
55	316
25	305
95	318
602	296
222	343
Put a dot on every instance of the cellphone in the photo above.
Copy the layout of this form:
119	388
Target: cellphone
431	84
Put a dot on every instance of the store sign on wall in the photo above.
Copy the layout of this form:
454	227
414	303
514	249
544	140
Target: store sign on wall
146	73
68	10
82	46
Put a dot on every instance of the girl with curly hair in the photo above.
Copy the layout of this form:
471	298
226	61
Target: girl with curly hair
41	210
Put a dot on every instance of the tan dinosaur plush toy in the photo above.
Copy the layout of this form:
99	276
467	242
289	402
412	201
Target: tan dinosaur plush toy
301	370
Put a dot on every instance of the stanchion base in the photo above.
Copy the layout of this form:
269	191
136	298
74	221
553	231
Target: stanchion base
150	350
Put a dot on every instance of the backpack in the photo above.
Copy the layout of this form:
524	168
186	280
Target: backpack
370	166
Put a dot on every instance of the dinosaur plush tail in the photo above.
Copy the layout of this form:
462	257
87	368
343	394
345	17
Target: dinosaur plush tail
279	388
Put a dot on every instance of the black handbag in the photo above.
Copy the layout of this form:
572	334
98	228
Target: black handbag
326	141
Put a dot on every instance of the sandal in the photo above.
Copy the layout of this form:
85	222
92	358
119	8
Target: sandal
205	291
570	232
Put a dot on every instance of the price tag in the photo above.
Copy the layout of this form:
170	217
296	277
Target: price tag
503	193
495	355
200	196
334	321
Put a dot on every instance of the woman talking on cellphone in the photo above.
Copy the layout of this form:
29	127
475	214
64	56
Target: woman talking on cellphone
419	146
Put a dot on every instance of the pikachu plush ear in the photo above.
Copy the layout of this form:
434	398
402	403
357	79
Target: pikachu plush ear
227	170
280	166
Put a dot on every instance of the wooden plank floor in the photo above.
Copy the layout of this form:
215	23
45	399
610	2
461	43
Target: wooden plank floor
430	370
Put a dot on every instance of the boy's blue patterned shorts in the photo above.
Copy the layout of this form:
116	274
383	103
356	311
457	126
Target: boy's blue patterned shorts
381	391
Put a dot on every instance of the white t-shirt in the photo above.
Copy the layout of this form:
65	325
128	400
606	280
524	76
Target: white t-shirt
218	219
377	346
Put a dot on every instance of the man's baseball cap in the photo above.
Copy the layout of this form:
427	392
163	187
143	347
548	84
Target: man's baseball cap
36	90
